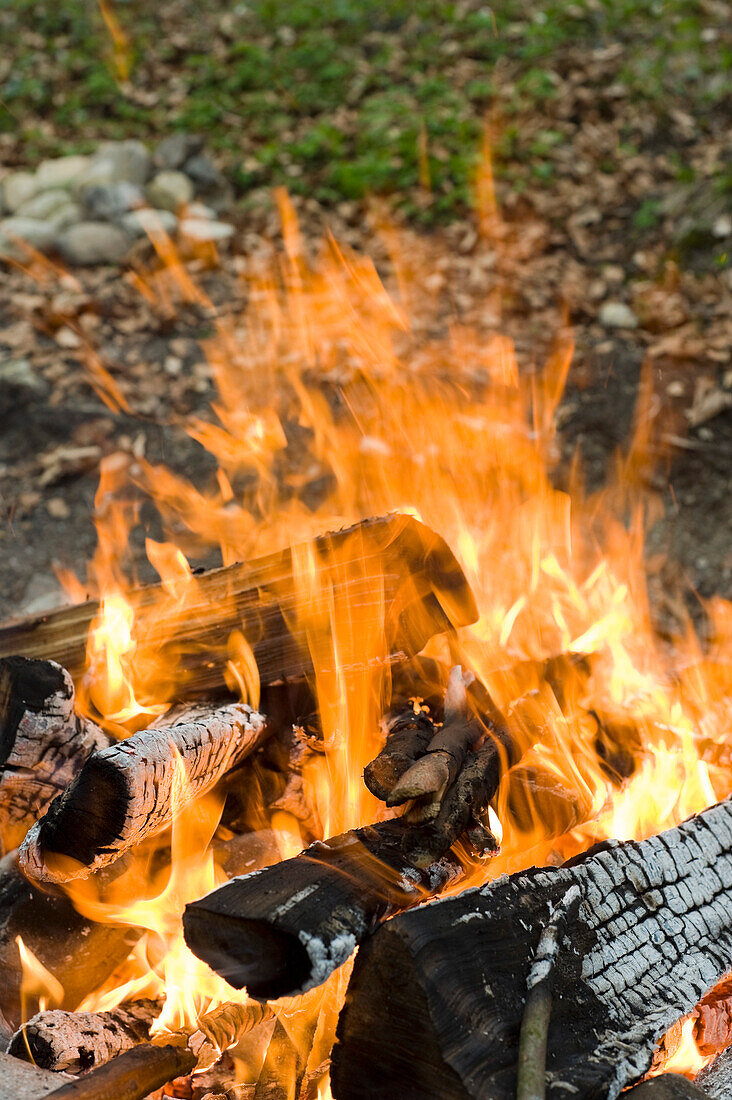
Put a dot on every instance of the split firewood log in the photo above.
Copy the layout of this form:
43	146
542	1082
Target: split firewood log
437	995
401	575
131	790
43	743
76	1041
79	954
283	930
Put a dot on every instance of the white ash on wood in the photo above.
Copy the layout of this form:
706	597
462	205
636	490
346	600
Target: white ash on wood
437	995
43	743
403	578
131	790
77	1041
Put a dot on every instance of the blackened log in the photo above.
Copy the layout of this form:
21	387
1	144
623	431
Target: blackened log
437	995
80	953
20	1081
283	930
398	572
77	1041
130	791
43	743
669	1086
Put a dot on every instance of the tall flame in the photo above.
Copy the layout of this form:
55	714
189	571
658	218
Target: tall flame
337	399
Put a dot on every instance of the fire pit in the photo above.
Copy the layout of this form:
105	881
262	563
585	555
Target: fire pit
423	674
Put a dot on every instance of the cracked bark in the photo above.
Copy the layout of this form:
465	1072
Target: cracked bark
43	743
437	994
130	791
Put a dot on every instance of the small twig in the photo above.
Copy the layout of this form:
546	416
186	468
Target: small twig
531	1082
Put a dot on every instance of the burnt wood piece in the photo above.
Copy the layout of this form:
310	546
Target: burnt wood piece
713	1019
79	953
129	791
77	1041
437	995
21	1081
716	1079
669	1086
130	1076
393	567
43	743
283	930
408	735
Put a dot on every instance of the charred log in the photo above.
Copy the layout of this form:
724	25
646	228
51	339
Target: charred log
130	791
668	1086
437	995
79	953
393	568
77	1041
43	743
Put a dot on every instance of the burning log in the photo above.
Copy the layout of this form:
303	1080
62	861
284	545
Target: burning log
437	995
283	930
140	1070
393	568
79	954
131	790
76	1041
669	1086
43	743
716	1079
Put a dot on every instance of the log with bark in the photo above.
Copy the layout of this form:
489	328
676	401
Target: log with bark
80	954
77	1041
402	577
437	995
283	930
131	790
138	1071
43	743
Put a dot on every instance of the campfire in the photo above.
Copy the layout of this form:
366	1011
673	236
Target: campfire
422	674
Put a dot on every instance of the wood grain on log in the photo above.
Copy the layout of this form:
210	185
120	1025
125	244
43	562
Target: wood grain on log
79	953
130	791
437	994
43	743
400	575
77	1041
132	1075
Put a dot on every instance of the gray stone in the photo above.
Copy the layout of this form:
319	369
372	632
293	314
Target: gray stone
36	233
110	201
208	180
42	207
617	315
175	150
130	161
200	210
144	222
61	172
93	243
667	1086
170	190
18	188
68	214
101	173
201	229
19	385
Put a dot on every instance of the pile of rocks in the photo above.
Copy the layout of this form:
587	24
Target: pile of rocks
91	209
